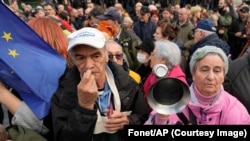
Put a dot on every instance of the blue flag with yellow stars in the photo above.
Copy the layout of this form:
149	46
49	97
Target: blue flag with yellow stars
27	63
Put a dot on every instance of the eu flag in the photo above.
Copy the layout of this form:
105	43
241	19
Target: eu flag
27	63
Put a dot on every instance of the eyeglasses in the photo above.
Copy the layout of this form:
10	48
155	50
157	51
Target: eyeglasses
117	56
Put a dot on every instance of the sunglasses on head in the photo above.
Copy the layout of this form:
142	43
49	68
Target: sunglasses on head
117	56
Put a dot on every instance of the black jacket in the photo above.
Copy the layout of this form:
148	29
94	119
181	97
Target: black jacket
238	79
236	43
72	122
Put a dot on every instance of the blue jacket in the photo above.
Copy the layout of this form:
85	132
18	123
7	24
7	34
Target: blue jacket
144	30
211	40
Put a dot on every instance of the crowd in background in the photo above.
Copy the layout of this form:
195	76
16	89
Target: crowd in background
72	17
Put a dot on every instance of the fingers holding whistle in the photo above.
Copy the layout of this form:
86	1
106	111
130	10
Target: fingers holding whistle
87	90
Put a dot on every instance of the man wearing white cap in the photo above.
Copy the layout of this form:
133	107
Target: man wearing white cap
96	97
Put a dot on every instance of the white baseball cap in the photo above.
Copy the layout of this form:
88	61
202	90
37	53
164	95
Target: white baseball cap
86	36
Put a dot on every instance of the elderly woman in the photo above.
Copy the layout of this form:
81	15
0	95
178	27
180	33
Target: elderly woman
209	104
169	54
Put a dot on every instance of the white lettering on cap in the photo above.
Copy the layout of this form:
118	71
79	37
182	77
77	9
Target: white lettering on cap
85	34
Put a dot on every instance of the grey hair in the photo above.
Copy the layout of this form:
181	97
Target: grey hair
170	51
72	55
112	42
200	53
109	43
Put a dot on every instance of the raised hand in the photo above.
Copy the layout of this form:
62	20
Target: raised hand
87	90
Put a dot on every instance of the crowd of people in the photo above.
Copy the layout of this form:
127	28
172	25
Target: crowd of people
111	55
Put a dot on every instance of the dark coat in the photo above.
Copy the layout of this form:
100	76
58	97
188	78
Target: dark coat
236	43
129	41
145	30
238	78
72	122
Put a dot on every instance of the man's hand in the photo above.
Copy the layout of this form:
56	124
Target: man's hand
116	121
87	90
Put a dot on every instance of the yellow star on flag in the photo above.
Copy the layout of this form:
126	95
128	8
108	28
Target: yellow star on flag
13	53
7	36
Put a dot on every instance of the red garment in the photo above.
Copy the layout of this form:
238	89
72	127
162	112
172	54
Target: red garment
66	25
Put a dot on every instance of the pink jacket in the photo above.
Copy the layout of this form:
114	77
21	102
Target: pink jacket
225	110
175	72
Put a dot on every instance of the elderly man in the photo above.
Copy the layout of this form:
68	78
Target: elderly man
96	97
136	15
205	34
115	54
184	24
144	27
126	38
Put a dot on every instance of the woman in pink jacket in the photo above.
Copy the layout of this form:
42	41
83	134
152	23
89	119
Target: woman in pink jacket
209	103
166	53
